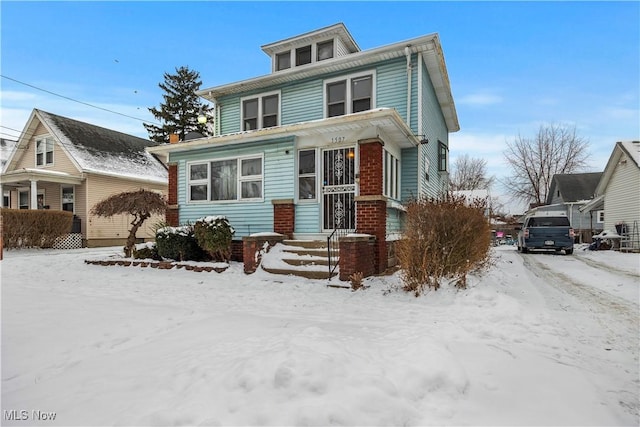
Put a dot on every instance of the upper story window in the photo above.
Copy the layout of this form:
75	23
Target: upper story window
442	156
325	50
260	111
283	61
44	152
303	55
349	95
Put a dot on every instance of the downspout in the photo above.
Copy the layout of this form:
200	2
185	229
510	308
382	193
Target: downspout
407	53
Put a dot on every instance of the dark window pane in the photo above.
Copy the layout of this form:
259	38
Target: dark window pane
269	121
283	61
325	50
251	167
336	92
252	190
250	124
336	110
361	88
361	105
39	159
250	108
198	192
303	55
307	162
198	172
307	187
49	157
270	105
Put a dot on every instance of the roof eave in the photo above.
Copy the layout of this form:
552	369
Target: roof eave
366	117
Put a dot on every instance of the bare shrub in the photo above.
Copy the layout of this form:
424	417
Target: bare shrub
445	238
34	228
356	280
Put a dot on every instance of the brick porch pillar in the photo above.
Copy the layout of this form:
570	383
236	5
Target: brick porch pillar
284	217
172	216
371	205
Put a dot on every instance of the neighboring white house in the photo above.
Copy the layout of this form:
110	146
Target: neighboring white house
618	193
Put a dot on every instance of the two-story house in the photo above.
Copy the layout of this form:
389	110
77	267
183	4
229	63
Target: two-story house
333	137
59	163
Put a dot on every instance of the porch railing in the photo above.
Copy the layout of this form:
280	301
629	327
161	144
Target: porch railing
333	248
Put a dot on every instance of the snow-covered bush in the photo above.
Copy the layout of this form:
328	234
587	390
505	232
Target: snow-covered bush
146	251
179	243
444	238
214	235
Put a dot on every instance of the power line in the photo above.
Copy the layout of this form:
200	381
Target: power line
75	100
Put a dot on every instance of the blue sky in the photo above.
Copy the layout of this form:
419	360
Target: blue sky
512	65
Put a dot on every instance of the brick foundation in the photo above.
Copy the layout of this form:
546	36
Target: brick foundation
284	217
357	254
172	215
371	205
252	245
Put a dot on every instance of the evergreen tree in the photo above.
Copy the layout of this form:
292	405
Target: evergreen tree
181	107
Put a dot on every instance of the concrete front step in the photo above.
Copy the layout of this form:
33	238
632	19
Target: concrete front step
309	274
307	258
306	261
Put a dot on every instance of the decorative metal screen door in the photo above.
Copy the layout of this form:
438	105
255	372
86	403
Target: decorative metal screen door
338	189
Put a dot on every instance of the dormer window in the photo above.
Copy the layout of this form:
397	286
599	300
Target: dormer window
260	111
325	50
283	61
303	55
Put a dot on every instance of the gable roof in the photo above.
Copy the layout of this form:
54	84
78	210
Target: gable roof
428	45
99	150
574	187
629	148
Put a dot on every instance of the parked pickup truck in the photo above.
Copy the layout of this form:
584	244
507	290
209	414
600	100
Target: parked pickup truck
546	232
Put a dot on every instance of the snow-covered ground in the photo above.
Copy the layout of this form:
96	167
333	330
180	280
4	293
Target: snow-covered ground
540	339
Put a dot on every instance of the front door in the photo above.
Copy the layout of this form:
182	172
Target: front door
338	188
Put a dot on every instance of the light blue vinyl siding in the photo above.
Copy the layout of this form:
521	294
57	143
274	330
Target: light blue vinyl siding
435	128
395	221
391	86
245	217
308	218
409	178
302	102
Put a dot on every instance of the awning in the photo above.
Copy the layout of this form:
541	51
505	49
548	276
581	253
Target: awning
595	204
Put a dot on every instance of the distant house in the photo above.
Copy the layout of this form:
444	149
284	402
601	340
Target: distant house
64	164
568	193
618	193
333	138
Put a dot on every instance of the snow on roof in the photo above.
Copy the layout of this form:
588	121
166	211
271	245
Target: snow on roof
6	145
105	151
633	150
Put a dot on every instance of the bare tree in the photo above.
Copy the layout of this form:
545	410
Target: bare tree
141	204
469	173
533	162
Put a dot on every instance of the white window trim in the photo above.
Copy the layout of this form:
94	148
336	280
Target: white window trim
259	97
391	180
46	139
598	214
62	202
316	175
239	180
314	54
348	99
